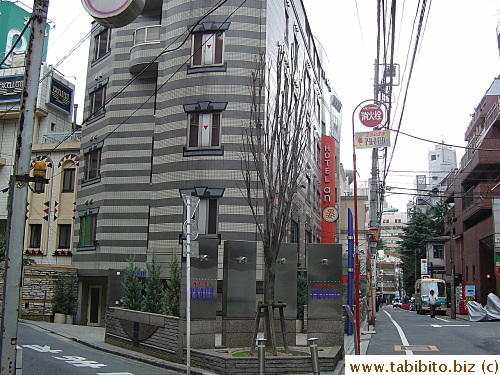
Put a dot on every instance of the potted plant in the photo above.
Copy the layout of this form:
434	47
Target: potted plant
65	298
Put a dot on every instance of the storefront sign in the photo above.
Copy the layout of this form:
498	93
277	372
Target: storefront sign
328	198
60	96
13	18
11	88
374	139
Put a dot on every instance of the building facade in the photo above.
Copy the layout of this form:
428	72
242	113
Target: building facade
55	142
472	189
168	103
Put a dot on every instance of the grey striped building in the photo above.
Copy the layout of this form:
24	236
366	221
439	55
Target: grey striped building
176	124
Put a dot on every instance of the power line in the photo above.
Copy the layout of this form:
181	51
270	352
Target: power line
444	144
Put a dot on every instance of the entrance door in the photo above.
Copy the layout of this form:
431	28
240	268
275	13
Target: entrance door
94	305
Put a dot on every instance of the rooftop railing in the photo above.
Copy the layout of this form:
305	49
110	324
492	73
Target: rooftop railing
62	137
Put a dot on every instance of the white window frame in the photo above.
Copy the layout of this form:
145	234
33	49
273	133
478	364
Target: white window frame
204	216
100	42
206	49
206	137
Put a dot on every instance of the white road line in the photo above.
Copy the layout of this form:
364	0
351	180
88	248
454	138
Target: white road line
404	341
450	325
444	320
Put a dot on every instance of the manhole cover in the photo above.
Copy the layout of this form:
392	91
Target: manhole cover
420	348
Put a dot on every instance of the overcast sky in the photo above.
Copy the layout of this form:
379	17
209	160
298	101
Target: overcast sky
456	63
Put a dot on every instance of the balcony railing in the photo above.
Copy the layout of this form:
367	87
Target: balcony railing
62	137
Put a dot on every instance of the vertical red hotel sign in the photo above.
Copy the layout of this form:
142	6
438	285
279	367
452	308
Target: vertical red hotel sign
329	212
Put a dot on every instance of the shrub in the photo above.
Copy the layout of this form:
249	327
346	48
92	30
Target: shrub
132	287
155	293
173	291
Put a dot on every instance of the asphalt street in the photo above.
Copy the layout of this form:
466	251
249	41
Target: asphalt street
401	331
47	354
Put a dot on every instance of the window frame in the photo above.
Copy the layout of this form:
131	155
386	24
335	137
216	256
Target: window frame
93	150
196	129
438	249
200	41
35	239
204	216
88	230
100	42
97	107
67	236
68	180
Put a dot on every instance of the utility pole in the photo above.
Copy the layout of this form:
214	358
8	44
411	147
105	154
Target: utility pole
453	301
18	189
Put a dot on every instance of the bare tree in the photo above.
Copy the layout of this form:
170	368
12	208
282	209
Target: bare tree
275	147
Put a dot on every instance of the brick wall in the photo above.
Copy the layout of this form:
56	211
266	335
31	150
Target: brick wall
37	290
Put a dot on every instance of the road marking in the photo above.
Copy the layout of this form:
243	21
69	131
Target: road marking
418	348
401	334
444	320
114	373
450	325
80	361
42	349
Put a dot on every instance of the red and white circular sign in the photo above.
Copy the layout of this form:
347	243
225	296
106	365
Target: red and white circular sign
371	115
114	13
330	214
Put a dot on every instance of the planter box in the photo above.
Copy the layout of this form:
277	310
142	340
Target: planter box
164	337
59	318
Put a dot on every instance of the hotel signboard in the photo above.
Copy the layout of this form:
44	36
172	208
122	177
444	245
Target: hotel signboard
11	88
328	198
60	96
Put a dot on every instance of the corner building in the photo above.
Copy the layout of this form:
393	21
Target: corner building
176	125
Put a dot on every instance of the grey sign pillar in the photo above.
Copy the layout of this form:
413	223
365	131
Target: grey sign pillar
325	294
239	298
286	291
203	293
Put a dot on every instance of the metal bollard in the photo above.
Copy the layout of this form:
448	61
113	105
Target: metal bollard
261	352
313	346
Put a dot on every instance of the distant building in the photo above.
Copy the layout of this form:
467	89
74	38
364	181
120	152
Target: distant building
434	253
473	189
391	230
387	280
430	188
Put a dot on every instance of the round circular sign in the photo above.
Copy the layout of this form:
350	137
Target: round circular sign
330	214
114	13
371	115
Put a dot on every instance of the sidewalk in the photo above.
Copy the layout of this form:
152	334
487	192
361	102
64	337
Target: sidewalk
94	337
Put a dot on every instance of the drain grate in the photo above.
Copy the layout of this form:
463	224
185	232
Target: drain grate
416	348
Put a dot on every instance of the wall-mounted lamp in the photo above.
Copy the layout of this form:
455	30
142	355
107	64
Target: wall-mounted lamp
281	260
324	262
241	259
203	258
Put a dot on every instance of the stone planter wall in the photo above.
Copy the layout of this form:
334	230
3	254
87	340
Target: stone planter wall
38	288
153	334
163	337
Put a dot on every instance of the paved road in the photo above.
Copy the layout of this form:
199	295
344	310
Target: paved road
48	354
424	335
